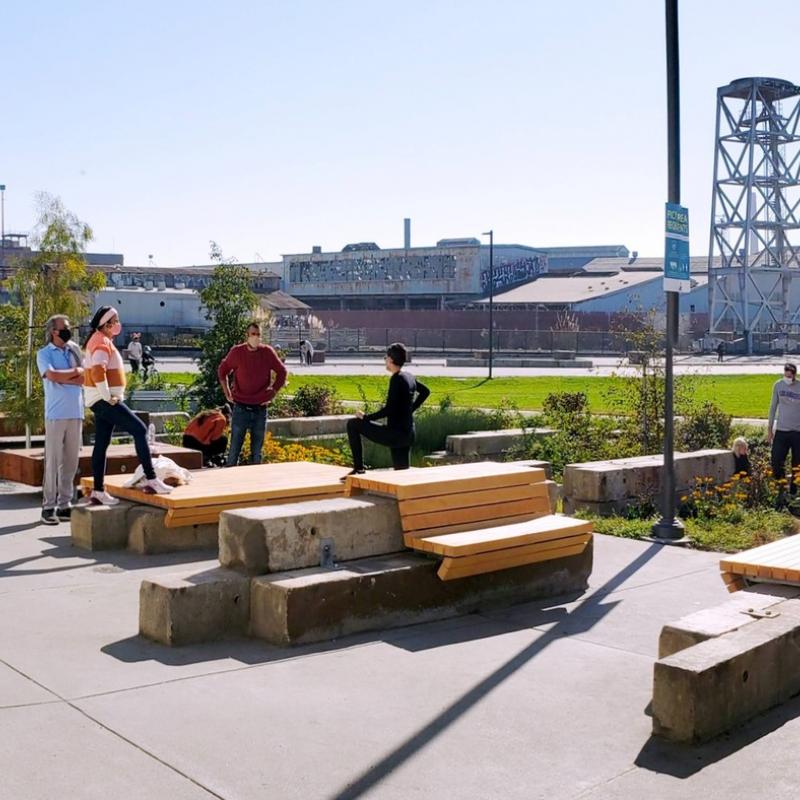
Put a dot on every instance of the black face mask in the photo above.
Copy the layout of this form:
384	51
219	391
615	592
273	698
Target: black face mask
65	335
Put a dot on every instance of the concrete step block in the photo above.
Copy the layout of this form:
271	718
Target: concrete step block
725	618
284	537
708	689
605	509
191	608
316	604
147	533
100	527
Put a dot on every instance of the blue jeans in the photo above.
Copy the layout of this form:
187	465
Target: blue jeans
247	418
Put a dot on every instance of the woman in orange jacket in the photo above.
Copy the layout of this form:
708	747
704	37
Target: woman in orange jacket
206	433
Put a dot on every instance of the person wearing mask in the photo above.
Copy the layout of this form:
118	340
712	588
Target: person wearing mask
405	396
251	375
784	435
206	433
59	364
104	388
135	352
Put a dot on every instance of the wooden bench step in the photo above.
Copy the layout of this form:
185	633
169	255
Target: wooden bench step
485	497
453	568
776	561
541	529
487	513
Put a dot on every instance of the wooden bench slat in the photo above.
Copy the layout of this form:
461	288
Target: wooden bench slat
413	537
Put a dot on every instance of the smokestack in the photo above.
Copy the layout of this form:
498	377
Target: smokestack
407	233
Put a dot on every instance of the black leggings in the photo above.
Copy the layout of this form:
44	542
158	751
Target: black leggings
398	442
106	418
216	447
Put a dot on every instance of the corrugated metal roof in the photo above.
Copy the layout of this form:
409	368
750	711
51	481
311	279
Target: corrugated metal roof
576	288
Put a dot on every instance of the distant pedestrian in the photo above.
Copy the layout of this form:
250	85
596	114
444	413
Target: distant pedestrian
720	352
104	393
135	352
306	353
741	456
59	364
784	435
405	396
258	375
206	433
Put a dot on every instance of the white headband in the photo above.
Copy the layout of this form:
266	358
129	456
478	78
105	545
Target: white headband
112	312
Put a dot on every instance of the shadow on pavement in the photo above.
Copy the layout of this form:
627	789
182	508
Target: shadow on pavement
683	760
582	618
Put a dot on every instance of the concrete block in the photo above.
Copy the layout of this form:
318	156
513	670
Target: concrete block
725	618
707	689
162	418
148	534
185	609
284	537
597	482
374	593
300	427
100	527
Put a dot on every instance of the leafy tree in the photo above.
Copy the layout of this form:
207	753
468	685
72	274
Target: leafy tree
58	279
230	303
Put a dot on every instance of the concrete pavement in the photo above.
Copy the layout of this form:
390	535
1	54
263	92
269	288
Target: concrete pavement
544	700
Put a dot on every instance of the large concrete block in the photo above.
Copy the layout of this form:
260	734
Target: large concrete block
185	609
100	527
317	604
725	618
597	482
284	537
492	442
572	506
707	689
284	427
148	534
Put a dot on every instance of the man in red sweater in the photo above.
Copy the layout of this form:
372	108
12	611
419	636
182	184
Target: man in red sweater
258	375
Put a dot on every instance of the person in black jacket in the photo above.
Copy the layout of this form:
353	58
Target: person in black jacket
406	395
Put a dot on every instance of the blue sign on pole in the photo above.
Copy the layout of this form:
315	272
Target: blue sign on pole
676	249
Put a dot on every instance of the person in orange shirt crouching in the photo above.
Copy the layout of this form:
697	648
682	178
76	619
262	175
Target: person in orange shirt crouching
206	433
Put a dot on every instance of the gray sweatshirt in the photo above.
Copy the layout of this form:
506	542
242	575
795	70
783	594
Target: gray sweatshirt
786	401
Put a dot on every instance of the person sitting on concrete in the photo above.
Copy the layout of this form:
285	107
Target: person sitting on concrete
206	433
741	456
104	391
784	436
252	366
59	364
405	396
135	352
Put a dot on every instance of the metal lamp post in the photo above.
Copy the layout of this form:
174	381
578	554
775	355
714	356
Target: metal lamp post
490	234
669	528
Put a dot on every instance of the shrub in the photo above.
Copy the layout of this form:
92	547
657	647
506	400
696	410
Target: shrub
308	401
706	426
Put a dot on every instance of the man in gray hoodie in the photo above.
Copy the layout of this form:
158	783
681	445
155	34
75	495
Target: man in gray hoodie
785	436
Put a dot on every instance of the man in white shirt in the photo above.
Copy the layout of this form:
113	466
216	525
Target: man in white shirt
135	352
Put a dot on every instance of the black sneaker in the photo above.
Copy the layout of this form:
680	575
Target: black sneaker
352	472
49	516
64	514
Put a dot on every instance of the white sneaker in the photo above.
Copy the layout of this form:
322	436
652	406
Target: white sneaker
102	499
156	486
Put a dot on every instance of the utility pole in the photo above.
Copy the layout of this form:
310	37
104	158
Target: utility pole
669	528
490	234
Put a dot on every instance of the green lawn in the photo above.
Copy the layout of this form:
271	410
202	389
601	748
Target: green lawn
738	395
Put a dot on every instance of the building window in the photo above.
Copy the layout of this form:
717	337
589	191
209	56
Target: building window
691	309
162	304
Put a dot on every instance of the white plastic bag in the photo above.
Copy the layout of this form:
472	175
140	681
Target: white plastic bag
164	467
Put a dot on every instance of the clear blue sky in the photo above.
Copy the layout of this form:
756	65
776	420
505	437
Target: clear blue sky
274	126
